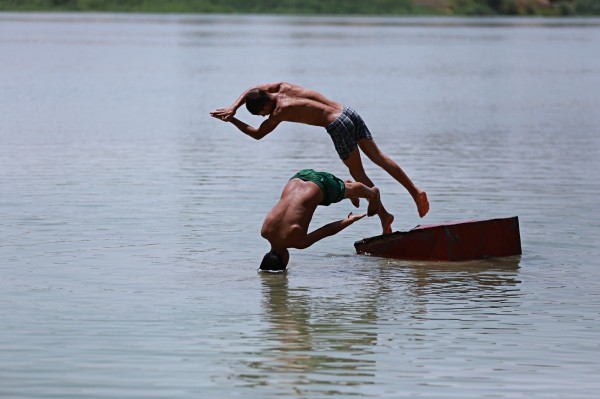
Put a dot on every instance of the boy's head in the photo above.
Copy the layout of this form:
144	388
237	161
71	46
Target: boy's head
257	100
273	261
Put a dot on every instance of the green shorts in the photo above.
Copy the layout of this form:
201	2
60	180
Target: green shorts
332	187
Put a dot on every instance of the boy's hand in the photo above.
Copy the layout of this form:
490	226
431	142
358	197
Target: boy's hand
224	114
353	218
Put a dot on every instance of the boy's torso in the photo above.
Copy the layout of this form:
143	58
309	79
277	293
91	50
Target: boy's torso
289	219
306	110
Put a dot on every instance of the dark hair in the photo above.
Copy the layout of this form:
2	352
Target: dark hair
256	99
272	262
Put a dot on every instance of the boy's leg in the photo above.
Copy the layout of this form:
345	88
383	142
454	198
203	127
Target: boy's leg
354	164
359	190
369	147
355	201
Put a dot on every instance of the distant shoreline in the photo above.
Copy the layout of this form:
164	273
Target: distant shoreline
463	8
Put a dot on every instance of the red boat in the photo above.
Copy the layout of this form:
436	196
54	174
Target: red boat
455	241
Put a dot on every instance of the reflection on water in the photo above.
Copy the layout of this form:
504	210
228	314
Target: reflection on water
460	291
481	279
315	341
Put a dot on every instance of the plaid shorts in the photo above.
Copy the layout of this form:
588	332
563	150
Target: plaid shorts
346	130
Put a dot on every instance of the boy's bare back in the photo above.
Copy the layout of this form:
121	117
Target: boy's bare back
287	223
296	104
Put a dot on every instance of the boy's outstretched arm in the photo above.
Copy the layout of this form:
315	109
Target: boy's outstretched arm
265	128
225	114
328	230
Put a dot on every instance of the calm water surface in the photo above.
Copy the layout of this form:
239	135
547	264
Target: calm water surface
130	219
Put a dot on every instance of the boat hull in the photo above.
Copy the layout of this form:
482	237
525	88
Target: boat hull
456	241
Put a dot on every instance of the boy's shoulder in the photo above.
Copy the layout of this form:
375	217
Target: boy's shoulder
287	88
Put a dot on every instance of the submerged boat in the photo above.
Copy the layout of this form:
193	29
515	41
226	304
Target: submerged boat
454	241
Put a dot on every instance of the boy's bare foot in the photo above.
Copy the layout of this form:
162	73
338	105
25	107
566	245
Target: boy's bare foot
386	222
355	201
374	203
422	203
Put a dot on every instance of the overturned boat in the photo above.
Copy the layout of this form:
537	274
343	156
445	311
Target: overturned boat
454	241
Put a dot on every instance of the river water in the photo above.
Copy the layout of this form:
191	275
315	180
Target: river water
130	220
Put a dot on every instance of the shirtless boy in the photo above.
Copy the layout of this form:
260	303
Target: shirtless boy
286	225
286	102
